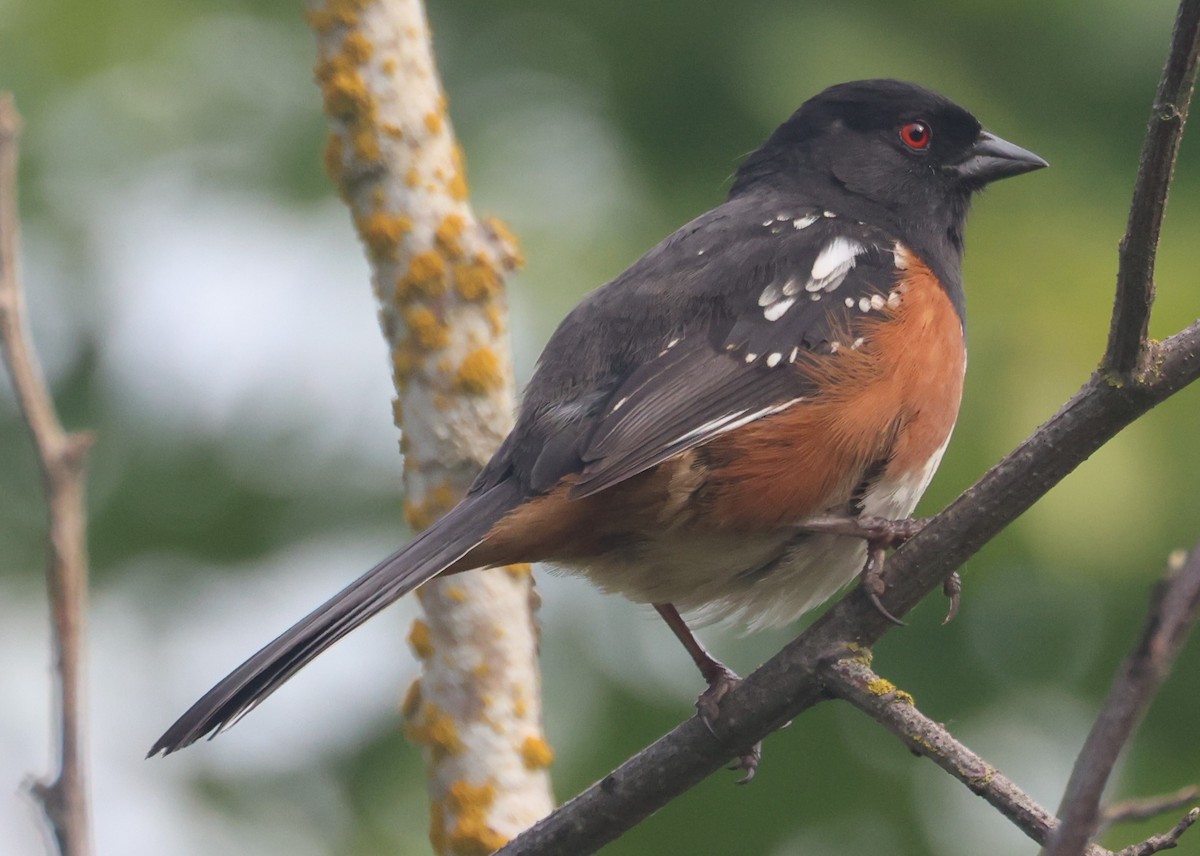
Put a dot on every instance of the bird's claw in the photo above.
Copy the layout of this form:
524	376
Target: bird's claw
708	706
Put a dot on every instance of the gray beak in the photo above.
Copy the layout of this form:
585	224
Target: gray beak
991	159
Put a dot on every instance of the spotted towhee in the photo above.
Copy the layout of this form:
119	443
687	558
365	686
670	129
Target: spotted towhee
795	353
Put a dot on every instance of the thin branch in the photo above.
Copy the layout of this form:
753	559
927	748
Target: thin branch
61	457
1167	841
1160	148
852	680
1173	610
1132	811
789	683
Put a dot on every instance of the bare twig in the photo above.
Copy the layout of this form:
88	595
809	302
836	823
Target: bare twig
1131	811
61	456
788	683
1166	841
1135	273
1173	611
852	680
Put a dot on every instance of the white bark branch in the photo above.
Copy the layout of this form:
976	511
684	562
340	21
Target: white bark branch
438	273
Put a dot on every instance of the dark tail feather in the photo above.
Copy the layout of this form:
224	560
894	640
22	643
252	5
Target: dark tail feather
434	551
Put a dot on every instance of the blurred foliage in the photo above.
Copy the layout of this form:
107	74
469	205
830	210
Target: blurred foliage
595	128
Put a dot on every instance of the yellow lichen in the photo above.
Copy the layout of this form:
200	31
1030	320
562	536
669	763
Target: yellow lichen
437	827
323	21
880	686
457	186
437	501
536	753
412	178
520	707
477	280
425	278
427	330
434	123
449	236
404	363
479	372
393	130
381	232
389	65
343	89
435	728
420	640
494	312
471	835
364	142
357	48
412	700
334	159
860	653
455	594
519	571
509	246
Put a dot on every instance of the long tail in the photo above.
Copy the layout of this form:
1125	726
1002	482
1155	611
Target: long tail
439	547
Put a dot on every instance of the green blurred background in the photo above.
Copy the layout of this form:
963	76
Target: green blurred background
200	302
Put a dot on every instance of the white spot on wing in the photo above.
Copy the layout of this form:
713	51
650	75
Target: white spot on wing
834	263
775	311
864	304
878	301
838	252
751	357
791	288
617	406
774	359
769	295
804	222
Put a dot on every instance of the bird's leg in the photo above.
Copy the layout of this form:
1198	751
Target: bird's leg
720	679
881	534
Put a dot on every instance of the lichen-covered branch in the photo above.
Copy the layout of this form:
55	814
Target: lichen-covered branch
1160	148
850	678
61	456
438	273
1173	610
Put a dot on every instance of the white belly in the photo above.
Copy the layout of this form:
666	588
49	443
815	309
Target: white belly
759	580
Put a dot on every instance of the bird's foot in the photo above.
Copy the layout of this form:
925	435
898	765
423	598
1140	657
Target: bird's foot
721	679
881	534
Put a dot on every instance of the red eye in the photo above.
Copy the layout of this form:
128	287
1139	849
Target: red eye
916	135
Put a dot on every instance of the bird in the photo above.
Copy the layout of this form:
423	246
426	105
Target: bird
737	425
